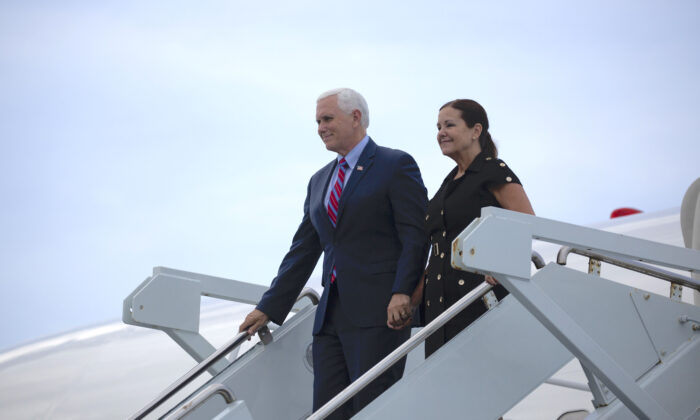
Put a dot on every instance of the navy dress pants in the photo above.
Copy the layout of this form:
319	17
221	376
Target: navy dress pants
342	352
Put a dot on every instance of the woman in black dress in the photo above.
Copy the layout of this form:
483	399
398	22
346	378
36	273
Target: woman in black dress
479	180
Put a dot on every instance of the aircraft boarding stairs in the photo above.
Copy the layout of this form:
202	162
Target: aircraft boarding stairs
640	351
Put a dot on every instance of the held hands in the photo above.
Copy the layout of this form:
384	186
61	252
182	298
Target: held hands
399	311
401	307
253	322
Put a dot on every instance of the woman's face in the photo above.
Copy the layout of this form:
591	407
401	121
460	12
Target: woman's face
454	137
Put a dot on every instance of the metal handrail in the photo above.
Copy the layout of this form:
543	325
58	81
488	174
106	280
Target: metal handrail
265	337
311	294
400	352
195	402
537	260
192	374
631	265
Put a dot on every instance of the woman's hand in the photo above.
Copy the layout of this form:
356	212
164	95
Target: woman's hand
399	311
416	300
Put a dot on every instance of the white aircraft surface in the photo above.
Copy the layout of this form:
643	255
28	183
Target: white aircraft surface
111	371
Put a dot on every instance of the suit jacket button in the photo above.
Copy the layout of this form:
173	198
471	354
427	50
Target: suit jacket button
461	282
440	298
439	276
427	303
442	255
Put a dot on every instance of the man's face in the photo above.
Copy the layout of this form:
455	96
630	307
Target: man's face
335	127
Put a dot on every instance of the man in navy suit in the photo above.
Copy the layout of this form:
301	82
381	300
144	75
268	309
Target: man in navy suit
365	212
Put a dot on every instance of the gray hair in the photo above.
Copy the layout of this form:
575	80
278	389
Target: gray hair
348	101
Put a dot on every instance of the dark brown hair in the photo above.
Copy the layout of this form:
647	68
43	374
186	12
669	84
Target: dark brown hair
473	113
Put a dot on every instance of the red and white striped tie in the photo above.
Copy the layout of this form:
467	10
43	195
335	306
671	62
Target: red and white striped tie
334	199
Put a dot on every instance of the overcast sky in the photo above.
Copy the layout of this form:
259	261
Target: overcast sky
181	134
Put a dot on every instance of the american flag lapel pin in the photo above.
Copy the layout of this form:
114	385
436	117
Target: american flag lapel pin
359	168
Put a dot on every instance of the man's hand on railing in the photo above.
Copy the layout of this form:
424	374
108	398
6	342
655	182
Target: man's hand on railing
490	280
255	320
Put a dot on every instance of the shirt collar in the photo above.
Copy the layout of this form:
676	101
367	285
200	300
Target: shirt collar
476	165
479	162
354	155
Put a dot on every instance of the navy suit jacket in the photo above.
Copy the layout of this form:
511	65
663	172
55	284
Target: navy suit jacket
378	246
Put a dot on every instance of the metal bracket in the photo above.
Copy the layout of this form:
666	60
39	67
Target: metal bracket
594	267
676	292
265	335
490	300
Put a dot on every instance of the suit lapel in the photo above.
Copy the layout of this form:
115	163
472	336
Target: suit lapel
358	173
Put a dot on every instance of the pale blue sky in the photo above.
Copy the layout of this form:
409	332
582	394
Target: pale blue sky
182	134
